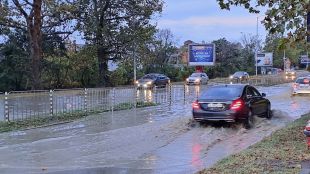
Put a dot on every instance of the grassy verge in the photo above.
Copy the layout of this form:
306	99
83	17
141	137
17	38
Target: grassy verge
282	152
62	118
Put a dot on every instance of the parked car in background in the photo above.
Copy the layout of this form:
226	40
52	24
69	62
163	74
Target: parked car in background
197	79
231	103
153	80
301	85
240	76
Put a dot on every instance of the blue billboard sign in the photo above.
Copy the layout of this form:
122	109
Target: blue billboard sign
201	54
304	59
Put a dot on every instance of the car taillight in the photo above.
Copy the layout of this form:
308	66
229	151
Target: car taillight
237	104
195	105
295	85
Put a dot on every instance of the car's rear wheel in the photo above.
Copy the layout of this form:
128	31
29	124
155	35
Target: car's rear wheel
249	121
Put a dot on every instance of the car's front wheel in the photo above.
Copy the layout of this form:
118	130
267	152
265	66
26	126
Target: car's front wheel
249	121
268	113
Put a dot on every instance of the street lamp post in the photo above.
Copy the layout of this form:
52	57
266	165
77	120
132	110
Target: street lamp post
134	65
256	49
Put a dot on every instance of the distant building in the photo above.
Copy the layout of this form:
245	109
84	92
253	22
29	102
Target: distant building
181	57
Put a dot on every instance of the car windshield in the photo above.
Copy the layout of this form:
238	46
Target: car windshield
195	75
148	76
239	73
229	92
303	80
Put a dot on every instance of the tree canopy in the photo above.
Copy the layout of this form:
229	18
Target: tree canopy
285	17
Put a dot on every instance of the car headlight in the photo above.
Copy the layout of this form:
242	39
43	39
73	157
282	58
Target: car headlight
186	79
149	83
231	77
240	77
197	80
137	82
286	72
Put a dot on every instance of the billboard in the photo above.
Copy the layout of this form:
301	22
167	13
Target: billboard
304	59
201	54
264	59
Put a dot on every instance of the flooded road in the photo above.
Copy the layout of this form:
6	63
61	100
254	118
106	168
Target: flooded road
148	140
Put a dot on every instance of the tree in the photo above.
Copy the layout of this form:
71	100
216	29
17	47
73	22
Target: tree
14	63
282	16
228	58
155	54
114	26
37	18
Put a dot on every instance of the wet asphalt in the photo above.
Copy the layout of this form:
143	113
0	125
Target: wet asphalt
145	140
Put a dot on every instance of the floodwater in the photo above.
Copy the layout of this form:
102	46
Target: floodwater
148	140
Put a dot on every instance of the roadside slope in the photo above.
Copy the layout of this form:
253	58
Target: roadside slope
281	152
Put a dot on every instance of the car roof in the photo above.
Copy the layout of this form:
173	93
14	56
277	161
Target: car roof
240	72
230	85
302	77
155	74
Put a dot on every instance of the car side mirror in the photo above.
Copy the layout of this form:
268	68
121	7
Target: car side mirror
263	95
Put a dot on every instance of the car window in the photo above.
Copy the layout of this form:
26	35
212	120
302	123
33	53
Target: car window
196	75
239	73
148	76
303	80
221	93
252	92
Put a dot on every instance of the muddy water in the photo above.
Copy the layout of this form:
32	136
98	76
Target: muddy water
150	141
203	146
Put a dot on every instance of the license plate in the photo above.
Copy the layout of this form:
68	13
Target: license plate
215	105
304	86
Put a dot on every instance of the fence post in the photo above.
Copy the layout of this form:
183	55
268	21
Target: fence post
184	93
6	107
113	99
170	93
136	97
85	100
51	102
155	95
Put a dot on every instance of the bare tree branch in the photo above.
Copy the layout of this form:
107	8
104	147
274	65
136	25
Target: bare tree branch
20	8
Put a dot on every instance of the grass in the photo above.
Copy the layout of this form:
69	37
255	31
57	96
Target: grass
62	118
281	152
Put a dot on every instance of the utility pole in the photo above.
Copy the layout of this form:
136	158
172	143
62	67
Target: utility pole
284	68
134	65
256	49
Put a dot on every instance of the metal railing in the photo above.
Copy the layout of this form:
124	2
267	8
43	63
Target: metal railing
20	105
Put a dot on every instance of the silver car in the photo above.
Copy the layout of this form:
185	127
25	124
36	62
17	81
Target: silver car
197	79
239	76
301	85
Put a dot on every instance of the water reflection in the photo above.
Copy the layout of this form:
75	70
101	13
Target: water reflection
196	156
145	95
192	90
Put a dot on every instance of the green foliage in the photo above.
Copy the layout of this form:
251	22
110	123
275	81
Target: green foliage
281	16
120	77
115	27
14	63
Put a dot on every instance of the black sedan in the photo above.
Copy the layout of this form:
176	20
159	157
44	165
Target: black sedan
231	103
149	81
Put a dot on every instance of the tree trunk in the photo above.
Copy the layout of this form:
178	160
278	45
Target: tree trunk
35	37
103	66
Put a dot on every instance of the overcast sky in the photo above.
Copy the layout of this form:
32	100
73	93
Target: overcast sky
203	20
